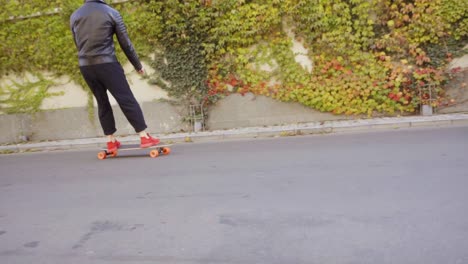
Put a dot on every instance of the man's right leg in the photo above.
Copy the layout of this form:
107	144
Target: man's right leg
113	78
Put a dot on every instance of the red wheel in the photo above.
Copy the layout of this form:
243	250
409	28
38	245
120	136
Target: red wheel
114	154
154	153
101	155
166	151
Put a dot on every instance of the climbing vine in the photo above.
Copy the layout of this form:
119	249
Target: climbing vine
368	56
25	97
35	37
179	59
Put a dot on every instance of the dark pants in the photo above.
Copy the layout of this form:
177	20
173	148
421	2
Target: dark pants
110	77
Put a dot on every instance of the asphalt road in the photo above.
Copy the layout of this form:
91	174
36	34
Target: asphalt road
398	196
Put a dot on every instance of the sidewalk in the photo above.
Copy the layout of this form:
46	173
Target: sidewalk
386	123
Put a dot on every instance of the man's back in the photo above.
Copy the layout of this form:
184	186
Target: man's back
93	28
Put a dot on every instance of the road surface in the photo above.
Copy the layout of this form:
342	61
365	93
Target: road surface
397	196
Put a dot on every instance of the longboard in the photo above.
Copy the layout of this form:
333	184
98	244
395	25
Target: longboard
155	151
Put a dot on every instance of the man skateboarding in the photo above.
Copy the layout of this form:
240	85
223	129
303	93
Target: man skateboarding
93	26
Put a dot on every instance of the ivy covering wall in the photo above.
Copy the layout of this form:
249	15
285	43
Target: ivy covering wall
368	55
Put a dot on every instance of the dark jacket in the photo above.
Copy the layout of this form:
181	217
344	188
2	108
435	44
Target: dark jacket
93	26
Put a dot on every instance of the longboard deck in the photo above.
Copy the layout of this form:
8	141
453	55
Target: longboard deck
155	151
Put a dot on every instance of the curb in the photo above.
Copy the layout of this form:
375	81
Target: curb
320	127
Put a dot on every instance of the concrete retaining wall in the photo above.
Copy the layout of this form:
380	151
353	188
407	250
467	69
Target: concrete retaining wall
249	110
234	111
14	128
74	123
